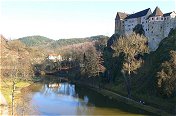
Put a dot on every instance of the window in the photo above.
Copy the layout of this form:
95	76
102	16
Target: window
161	18
142	22
161	27
152	27
152	18
146	21
146	29
152	32
157	18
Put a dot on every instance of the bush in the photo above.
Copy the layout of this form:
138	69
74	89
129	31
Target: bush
167	76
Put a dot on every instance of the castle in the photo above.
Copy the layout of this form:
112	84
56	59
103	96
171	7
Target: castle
156	25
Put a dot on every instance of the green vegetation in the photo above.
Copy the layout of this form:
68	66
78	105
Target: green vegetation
44	42
132	48
6	88
90	62
66	42
154	79
167	76
131	70
121	64
35	40
159	69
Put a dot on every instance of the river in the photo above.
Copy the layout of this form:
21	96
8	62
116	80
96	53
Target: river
69	99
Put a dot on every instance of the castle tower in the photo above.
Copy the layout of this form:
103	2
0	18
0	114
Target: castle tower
119	23
156	28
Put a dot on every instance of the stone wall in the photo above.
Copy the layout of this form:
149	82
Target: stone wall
156	28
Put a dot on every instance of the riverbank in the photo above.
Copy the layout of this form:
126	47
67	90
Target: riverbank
3	105
124	99
6	89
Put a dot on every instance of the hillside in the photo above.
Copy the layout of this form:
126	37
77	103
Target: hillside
65	42
154	81
154	64
44	42
35	40
97	37
14	55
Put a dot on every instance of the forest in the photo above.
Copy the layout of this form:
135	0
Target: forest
122	64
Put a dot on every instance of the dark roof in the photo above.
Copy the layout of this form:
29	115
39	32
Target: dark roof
167	14
156	12
138	14
121	15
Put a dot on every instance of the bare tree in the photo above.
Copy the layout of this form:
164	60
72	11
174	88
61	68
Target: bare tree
133	47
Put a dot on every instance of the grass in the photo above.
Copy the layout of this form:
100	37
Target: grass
152	100
158	102
6	88
22	84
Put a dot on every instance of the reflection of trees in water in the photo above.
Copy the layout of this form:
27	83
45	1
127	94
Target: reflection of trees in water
49	89
97	100
24	106
81	100
94	98
84	107
67	89
58	88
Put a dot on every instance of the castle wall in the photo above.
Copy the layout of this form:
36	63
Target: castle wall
130	24
155	32
145	21
169	24
174	22
119	27
156	28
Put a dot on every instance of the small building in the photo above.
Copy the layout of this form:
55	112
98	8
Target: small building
55	57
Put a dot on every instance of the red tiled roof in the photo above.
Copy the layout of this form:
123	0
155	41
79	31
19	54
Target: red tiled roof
156	12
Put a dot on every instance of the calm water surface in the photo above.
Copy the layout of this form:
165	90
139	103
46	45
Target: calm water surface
69	99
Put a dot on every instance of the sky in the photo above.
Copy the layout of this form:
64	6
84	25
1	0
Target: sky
61	19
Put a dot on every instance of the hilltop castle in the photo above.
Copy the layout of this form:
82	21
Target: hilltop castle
156	25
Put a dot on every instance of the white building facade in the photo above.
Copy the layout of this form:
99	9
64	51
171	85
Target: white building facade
156	25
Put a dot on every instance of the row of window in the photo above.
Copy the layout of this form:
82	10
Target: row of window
166	18
148	30
152	28
156	18
145	30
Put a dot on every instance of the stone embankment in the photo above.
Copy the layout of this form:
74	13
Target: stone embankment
126	100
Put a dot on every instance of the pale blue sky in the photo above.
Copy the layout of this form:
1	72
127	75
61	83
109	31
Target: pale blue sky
68	19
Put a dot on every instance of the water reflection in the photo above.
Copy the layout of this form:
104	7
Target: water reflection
68	99
54	85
